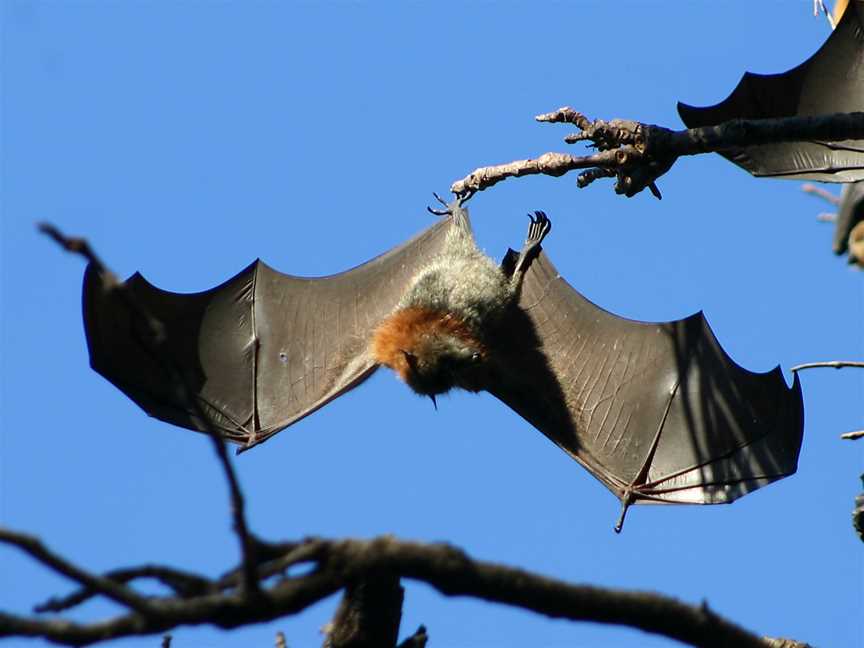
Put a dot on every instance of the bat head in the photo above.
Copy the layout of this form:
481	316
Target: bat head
431	351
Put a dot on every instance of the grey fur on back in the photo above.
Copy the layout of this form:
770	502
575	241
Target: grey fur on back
461	280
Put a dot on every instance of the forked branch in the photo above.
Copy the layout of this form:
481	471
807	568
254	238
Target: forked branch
339	564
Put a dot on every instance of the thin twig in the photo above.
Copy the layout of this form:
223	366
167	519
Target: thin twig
238	514
820	4
819	192
184	584
852	436
112	589
74	245
833	364
247	542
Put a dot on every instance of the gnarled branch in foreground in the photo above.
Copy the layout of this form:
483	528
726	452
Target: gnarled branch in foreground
636	154
343	564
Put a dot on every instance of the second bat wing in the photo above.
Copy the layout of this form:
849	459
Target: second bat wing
830	81
255	354
657	412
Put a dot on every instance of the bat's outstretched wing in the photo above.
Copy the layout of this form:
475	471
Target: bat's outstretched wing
657	412
830	81
257	353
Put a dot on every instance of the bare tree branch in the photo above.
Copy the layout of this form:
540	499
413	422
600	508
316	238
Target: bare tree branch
785	643
833	364
238	510
452	572
369	614
184	584
77	246
637	153
819	192
108	587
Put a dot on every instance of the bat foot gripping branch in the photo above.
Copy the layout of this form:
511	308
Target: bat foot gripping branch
449	208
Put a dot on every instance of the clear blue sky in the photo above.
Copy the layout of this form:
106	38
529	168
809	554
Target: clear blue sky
186	139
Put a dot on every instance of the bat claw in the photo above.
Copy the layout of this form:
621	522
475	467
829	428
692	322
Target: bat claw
539	228
626	501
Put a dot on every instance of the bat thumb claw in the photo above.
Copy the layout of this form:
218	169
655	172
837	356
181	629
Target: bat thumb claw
625	504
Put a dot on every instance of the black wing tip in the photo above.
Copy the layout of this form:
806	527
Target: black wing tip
795	388
255	439
717	113
776	373
694	116
698	116
247	445
796	393
684	111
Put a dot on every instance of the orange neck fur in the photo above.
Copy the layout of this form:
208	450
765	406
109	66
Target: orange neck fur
404	331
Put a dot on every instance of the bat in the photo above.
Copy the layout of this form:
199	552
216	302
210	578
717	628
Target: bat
828	82
657	412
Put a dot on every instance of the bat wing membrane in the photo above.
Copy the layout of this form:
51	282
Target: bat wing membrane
657	412
258	352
